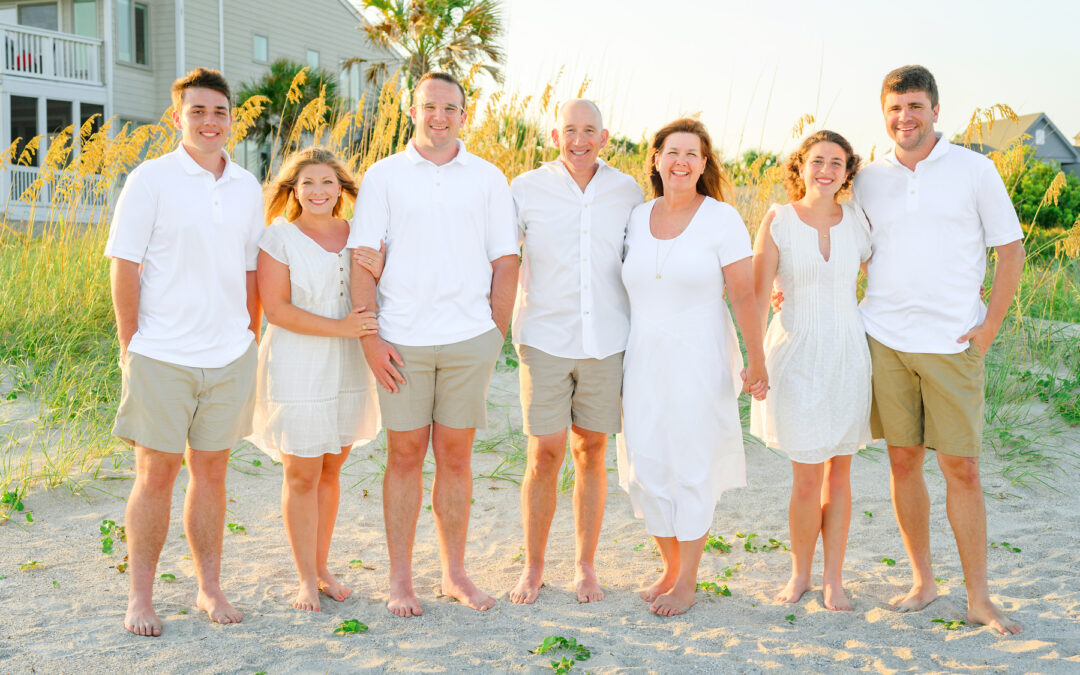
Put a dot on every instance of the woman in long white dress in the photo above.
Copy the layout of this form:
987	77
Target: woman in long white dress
682	441
315	396
819	408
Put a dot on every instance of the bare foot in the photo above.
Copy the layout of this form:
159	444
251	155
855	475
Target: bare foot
307	598
141	619
676	601
835	598
793	591
989	615
329	584
403	601
916	599
588	586
659	587
528	586
462	589
218	608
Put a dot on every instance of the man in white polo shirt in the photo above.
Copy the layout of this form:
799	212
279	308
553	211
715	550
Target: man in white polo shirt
444	299
571	322
183	242
934	209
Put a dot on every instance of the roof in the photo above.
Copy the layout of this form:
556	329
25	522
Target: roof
1004	133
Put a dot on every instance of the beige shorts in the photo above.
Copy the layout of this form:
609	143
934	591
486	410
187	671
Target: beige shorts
447	384
557	392
935	400
167	407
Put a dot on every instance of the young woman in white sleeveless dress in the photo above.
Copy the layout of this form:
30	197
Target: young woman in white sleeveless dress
818	410
682	442
315	396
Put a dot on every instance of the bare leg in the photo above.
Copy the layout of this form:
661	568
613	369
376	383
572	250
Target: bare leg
545	457
681	596
804	524
403	491
911	502
204	520
146	522
835	519
967	515
451	495
590	493
670	554
300	510
329	497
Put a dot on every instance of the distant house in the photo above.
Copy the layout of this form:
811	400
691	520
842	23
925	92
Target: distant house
1041	134
64	61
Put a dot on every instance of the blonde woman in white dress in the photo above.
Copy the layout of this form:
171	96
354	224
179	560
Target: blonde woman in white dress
315	396
818	409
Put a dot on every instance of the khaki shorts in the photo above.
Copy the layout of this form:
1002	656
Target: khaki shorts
935	400
447	384
557	392
167	407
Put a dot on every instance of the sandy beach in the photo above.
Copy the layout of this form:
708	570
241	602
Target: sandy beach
65	615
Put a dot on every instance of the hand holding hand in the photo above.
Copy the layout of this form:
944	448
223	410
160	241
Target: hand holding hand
381	357
776	299
755	381
359	323
370	259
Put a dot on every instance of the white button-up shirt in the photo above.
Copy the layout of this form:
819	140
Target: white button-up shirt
930	229
571	302
442	225
196	237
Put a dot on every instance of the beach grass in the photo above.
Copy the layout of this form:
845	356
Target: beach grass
58	350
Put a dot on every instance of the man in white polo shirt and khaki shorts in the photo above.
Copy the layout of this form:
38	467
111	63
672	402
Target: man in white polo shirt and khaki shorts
934	209
571	322
444	303
183	242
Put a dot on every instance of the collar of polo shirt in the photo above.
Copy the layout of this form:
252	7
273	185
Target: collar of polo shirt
193	168
416	158
940	148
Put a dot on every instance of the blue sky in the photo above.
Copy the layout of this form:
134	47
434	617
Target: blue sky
753	68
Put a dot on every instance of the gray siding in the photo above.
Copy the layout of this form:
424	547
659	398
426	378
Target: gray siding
139	92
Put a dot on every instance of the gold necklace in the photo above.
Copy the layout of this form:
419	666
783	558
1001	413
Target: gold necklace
659	266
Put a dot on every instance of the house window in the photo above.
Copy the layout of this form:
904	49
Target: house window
40	15
313	59
132	32
84	15
24	119
260	48
1040	136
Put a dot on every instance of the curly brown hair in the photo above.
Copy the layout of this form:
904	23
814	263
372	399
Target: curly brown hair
793	181
712	183
281	194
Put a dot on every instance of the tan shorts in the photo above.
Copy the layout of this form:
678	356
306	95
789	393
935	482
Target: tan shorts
557	392
167	407
934	400
447	384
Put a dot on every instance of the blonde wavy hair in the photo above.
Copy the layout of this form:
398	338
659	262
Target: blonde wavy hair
281	195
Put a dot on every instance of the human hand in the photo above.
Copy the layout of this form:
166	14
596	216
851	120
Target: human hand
776	299
370	259
982	335
358	323
381	357
755	381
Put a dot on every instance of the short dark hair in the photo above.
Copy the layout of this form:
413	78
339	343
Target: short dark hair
442	77
910	78
202	78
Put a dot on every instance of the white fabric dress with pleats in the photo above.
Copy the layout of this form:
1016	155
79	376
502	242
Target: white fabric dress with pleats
314	395
818	405
682	443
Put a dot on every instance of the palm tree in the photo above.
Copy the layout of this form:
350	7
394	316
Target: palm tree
447	35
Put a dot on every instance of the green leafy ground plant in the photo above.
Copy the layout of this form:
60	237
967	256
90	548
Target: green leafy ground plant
578	652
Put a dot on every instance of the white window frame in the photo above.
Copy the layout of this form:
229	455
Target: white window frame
131	37
317	59
254	41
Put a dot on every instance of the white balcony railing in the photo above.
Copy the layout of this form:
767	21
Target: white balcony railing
20	178
63	57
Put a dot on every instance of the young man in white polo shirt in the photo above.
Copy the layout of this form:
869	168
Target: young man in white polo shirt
934	209
571	322
444	299
183	242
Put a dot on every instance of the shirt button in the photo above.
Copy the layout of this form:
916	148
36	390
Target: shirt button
341	269
342	282
341	293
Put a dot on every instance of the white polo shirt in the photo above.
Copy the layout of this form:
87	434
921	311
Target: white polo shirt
571	301
195	237
930	229
442	225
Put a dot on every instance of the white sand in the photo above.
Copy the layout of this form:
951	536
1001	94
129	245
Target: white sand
76	623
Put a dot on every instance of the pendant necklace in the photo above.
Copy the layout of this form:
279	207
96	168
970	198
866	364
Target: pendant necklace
660	265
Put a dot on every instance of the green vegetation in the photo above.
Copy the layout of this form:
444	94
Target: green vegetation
578	652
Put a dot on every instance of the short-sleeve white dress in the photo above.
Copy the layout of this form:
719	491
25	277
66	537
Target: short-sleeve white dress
682	443
818	406
314	395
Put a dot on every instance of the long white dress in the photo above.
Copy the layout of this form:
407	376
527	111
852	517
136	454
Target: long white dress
313	395
816	354
682	444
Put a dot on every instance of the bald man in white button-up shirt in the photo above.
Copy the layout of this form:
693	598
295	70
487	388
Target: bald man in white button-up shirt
571	322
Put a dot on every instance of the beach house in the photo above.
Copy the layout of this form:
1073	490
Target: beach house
1038	132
